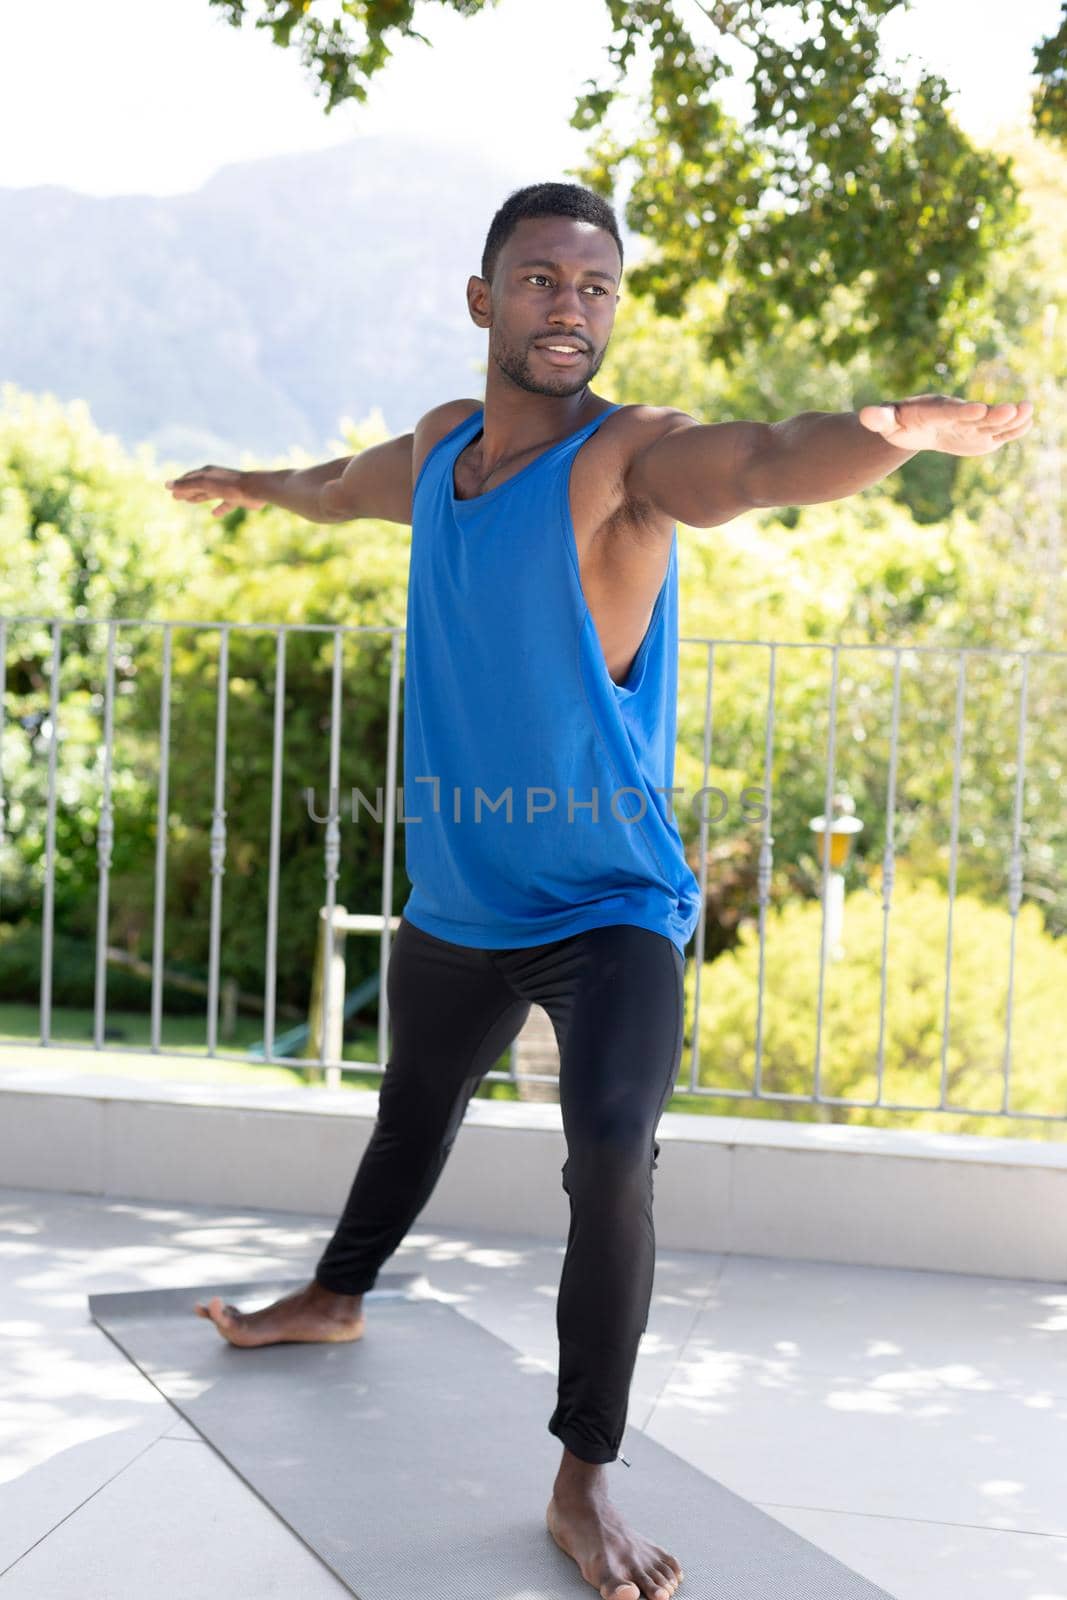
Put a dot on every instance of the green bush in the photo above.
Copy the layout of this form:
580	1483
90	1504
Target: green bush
914	1010
88	533
74	975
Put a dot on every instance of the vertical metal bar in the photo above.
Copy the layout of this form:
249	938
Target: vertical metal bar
765	860
1015	874
387	848
888	867
957	745
49	907
271	979
827	820
698	957
218	839
333	858
104	840
162	828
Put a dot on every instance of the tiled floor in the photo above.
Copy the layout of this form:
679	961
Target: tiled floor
913	1424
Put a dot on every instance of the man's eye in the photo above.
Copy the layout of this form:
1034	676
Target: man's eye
540	277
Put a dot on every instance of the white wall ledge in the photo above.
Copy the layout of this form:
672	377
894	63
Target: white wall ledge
304	1100
875	1196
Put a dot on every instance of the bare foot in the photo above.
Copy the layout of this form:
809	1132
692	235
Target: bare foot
619	1564
310	1315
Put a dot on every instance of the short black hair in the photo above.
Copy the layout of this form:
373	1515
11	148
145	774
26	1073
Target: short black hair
546	200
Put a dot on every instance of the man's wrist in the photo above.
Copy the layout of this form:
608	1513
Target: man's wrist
264	484
902	449
296	489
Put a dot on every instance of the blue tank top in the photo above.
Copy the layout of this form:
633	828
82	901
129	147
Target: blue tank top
536	789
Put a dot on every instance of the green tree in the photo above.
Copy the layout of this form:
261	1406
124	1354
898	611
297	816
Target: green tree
843	177
861	573
87	536
1050	96
658	359
914	1033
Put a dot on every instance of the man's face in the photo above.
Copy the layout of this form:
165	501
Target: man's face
556	281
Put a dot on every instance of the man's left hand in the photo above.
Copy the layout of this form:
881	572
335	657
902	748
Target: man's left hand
943	422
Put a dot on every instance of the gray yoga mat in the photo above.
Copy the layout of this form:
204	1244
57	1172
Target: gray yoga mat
416	1462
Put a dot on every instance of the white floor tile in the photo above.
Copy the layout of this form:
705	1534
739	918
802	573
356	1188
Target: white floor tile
932	1444
887	1319
177	1523
932	1561
32	1504
183	1430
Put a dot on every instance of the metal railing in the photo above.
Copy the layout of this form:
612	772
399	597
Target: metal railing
49	729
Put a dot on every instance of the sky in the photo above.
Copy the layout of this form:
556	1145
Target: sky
153	96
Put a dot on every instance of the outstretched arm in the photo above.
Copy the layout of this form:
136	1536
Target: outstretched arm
374	483
704	474
296	489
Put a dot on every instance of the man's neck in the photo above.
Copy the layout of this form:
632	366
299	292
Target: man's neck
514	419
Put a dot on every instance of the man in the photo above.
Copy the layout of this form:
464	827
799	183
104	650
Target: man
542	671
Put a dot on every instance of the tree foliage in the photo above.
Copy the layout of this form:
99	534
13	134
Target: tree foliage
89	536
842	177
914	1033
1050	96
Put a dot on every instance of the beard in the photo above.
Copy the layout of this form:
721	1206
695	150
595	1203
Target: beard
516	365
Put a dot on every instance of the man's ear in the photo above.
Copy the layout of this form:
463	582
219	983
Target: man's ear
479	302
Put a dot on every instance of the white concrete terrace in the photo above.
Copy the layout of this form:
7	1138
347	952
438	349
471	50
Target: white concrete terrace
863	1332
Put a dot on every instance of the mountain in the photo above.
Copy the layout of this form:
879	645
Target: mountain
257	312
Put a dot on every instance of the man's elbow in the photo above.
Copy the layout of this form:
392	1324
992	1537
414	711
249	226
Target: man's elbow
753	472
334	503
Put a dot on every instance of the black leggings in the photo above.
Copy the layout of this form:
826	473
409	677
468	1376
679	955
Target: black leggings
616	999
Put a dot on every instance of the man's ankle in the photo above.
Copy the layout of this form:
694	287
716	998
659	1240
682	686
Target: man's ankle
578	1478
333	1299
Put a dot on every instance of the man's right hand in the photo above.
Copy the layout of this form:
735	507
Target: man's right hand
230	487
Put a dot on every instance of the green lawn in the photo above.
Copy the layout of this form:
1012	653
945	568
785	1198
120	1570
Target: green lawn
230	1065
132	1030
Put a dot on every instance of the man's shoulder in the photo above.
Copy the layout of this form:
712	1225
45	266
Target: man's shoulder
624	436
631	429
432	427
639	415
641	424
439	420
